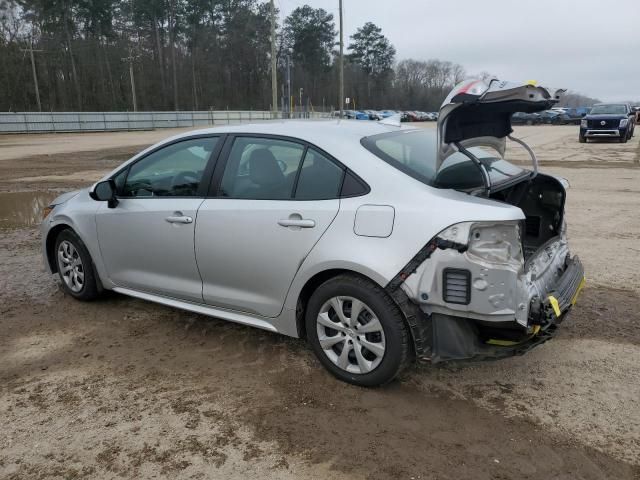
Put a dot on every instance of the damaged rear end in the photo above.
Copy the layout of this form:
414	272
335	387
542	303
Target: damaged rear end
486	289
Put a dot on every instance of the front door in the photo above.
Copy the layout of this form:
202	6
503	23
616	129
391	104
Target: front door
147	240
276	199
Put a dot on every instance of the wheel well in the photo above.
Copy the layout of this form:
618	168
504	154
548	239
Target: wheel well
51	245
312	284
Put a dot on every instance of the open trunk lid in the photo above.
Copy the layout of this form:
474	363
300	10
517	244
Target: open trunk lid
478	113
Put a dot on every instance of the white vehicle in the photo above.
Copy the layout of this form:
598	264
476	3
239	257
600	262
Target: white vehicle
377	243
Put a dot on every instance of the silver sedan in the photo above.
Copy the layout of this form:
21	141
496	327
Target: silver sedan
377	243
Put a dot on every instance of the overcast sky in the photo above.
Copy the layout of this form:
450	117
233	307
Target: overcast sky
588	46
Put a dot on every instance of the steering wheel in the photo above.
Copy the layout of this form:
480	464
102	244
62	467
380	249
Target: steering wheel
186	179
140	185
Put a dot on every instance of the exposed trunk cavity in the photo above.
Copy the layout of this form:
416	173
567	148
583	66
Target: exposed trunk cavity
542	201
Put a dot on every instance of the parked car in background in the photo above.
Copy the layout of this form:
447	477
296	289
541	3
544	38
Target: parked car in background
387	113
522	118
557	118
608	120
348	114
410	116
548	116
574	115
582	111
373	115
376	243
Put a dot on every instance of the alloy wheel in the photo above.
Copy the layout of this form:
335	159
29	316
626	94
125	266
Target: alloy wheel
70	266
350	334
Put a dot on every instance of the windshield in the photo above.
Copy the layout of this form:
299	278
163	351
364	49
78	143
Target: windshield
414	153
609	110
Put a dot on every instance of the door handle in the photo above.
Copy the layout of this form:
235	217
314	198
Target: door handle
179	219
301	223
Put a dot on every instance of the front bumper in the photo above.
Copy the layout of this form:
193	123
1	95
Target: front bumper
603	133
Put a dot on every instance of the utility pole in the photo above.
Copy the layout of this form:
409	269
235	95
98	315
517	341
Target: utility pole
133	81
341	62
300	96
274	74
133	86
34	72
289	86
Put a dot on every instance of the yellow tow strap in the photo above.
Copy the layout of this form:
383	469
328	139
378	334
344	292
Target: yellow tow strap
511	343
553	301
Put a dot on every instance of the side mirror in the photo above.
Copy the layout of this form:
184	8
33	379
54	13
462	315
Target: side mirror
105	192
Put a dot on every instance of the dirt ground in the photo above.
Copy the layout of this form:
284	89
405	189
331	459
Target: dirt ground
122	388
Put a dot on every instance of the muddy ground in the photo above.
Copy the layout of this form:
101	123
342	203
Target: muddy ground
123	388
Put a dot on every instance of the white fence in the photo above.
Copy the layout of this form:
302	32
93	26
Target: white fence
34	122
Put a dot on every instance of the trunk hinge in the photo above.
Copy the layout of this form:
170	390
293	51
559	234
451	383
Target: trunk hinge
486	179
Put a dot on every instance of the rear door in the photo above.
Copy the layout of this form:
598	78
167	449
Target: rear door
147	240
274	198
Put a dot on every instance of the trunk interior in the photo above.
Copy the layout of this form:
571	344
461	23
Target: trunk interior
542	201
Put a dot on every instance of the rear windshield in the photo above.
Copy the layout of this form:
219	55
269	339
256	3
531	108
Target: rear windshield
609	110
414	153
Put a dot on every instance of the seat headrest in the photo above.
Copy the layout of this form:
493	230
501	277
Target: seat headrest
263	168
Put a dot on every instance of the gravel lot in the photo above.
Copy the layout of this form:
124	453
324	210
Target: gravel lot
123	388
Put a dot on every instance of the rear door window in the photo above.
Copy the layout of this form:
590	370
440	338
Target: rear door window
261	169
320	178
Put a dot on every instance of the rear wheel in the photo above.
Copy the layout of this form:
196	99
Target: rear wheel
357	332
75	267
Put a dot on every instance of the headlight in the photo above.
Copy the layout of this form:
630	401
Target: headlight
583	123
498	242
47	210
624	122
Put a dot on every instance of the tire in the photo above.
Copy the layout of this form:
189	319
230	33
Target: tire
623	139
582	139
71	252
379	316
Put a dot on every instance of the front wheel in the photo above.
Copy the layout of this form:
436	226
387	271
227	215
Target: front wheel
357	332
75	267
582	139
624	139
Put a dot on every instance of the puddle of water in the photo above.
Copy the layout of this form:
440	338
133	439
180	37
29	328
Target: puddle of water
23	209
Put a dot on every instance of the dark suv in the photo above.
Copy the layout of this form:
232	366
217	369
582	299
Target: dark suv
608	120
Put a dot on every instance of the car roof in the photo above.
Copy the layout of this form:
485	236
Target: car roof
319	132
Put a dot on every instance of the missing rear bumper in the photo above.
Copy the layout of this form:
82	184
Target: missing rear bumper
458	338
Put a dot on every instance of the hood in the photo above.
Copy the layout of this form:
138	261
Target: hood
606	116
478	113
65	197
